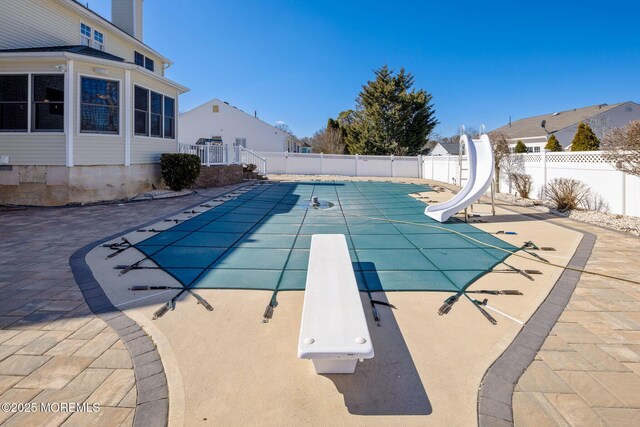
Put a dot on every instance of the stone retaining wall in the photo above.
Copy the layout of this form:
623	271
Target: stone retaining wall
60	185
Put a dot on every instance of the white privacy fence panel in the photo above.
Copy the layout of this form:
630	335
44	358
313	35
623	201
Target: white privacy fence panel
346	165
619	190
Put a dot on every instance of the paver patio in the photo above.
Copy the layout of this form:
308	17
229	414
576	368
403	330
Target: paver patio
54	349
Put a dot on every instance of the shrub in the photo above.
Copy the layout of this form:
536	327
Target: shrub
520	148
595	202
179	170
585	139
566	194
523	184
553	144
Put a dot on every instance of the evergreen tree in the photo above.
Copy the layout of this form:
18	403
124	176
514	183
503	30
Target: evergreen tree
585	139
520	148
390	117
553	144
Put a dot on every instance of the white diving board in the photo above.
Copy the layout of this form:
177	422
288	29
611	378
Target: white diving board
333	332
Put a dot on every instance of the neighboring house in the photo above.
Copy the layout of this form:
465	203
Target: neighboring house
564	124
85	108
445	149
217	119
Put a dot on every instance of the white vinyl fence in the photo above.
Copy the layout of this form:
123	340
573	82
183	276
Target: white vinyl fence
620	191
339	164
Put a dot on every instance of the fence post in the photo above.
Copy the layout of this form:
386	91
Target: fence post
356	165
420	166
321	159
286	156
392	171
624	193
544	167
448	168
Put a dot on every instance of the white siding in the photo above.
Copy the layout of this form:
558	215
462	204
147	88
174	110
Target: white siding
230	123
40	23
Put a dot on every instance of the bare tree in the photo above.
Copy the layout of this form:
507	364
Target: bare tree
622	148
500	151
327	140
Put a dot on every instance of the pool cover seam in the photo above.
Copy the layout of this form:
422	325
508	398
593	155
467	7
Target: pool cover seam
495	394
152	403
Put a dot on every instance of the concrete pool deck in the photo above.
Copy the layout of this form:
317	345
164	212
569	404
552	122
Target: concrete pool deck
253	377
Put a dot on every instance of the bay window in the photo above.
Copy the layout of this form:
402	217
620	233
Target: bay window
141	111
154	114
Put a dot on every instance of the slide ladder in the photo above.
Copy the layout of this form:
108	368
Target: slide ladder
481	166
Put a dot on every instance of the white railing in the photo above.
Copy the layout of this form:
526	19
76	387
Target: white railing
218	154
248	157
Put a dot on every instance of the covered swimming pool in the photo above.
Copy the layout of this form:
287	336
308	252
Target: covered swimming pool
260	239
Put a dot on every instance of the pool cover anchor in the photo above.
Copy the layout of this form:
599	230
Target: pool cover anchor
118	247
511	269
484	312
445	308
171	304
268	311
376	316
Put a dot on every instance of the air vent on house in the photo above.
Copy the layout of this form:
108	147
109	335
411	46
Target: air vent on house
628	109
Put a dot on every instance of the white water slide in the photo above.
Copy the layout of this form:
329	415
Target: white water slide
480	157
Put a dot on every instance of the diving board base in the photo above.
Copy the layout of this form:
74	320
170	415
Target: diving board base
335	366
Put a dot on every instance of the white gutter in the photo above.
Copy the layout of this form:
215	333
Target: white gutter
94	60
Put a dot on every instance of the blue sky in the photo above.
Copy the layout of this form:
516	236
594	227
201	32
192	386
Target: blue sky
304	61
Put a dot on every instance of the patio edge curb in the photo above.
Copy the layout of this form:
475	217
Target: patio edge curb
497	386
152	403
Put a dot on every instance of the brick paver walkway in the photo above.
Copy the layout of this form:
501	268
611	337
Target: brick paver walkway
53	349
587	372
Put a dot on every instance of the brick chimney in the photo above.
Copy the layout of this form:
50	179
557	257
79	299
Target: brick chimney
127	15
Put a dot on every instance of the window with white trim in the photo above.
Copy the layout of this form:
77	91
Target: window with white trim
14	102
138	58
141	111
169	117
98	40
148	63
154	114
46	104
99	106
47	113
85	34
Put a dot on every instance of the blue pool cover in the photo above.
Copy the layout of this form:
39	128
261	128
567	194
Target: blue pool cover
260	240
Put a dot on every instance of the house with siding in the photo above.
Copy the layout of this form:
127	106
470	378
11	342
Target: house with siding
85	106
535	131
220	122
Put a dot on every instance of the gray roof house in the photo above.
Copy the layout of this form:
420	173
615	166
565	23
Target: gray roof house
535	131
445	148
